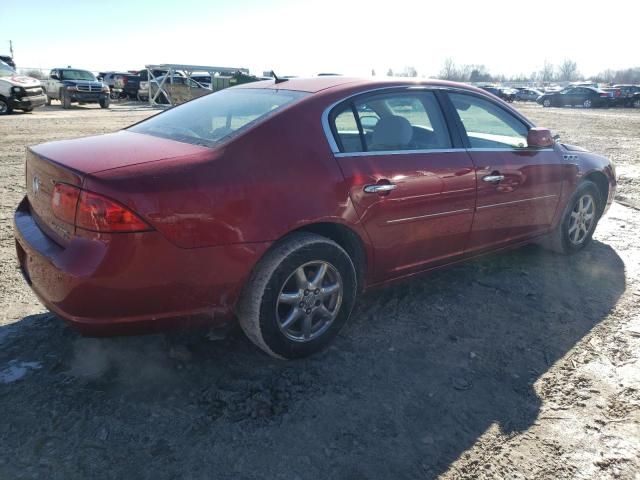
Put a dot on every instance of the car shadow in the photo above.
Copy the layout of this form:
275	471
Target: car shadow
422	370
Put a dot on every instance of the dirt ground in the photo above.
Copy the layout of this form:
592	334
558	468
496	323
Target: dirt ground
519	365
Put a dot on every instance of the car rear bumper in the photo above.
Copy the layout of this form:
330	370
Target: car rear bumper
131	283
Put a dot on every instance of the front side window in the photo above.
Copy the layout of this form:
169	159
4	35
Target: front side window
210	119
488	125
390	122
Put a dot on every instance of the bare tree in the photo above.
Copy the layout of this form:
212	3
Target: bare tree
547	73
390	73
568	70
408	72
449	70
373	72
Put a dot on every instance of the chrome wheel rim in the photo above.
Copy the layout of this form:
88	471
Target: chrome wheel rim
547	103
582	219
3	107
587	103
309	301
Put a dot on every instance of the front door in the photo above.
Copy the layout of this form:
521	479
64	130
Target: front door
414	192
518	187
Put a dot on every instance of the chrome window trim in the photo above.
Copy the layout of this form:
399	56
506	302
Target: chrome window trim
431	215
397	152
437	150
399	88
515	201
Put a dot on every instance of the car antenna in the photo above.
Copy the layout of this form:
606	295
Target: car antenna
278	80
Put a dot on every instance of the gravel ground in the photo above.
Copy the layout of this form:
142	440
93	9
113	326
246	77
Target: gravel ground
518	365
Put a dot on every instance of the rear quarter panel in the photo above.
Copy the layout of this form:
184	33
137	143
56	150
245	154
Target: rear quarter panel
274	178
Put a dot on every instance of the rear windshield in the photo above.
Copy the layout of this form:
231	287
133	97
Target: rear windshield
210	119
76	75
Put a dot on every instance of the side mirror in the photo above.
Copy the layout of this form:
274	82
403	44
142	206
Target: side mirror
540	138
55	77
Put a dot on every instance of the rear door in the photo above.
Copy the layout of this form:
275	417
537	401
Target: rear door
518	187
412	184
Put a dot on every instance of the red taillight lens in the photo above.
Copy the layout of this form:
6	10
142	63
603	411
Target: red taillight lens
64	202
100	214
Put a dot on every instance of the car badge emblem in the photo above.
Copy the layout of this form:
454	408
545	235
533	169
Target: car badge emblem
35	185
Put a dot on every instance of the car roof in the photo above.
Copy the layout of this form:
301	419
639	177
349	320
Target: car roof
338	83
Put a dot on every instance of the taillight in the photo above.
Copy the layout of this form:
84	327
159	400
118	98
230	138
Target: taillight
64	202
100	214
90	211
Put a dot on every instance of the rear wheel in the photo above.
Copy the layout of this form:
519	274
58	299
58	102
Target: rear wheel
587	103
299	296
579	220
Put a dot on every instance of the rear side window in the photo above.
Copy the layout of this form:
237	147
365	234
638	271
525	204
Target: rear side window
488	125
210	119
391	122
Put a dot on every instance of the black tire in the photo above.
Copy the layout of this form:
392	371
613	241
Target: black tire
588	103
65	100
547	102
635	103
104	103
5	108
559	240
259	308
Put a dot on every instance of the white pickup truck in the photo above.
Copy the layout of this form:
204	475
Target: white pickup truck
18	91
69	85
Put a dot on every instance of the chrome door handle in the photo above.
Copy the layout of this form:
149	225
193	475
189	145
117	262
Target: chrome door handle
493	178
379	188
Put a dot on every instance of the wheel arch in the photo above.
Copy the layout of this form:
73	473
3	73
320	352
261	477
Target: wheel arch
348	239
601	181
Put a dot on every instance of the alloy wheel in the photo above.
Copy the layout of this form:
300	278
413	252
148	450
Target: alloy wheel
4	108
309	301
587	104
583	217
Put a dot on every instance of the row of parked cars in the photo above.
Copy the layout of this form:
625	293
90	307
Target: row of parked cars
587	95
73	85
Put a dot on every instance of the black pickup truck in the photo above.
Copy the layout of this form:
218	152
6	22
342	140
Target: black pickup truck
72	85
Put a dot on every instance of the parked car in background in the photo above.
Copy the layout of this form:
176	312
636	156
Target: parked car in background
71	85
8	59
614	94
528	94
19	92
204	211
586	97
505	93
202	79
629	95
143	82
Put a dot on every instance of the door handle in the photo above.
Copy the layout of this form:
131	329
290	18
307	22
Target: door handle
494	177
380	188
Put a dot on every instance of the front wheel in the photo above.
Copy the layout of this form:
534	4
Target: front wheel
579	220
104	103
298	297
587	103
546	102
65	100
5	109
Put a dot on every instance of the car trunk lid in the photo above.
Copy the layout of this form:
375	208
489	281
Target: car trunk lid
71	161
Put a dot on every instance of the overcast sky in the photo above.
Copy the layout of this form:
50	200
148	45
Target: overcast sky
305	38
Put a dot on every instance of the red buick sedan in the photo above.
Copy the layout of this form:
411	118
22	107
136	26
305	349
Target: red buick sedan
278	202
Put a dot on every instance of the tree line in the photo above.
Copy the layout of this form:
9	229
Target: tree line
567	71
